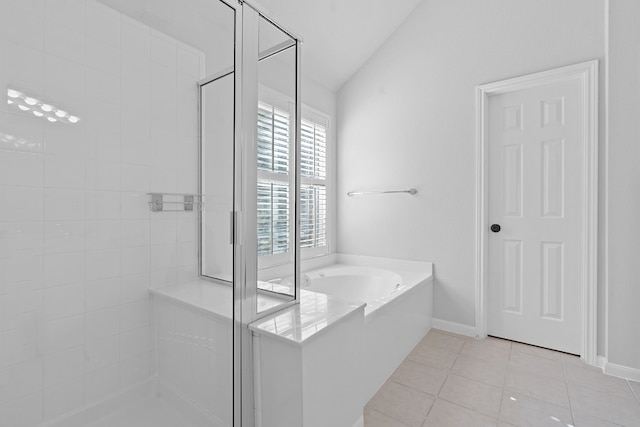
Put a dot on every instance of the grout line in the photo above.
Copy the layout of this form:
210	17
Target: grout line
511	350
500	407
40	322
388	416
566	384
476	411
633	392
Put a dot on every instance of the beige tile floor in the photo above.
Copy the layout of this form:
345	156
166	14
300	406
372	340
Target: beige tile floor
449	380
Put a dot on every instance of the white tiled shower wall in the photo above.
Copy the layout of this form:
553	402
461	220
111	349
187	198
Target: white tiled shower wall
78	245
195	358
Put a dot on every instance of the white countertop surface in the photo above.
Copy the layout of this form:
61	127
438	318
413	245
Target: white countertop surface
315	313
214	298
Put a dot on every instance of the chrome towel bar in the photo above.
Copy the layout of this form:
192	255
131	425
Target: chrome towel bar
411	191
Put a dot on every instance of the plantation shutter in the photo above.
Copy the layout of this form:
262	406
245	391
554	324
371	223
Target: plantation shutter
273	218
273	181
313	190
274	200
273	139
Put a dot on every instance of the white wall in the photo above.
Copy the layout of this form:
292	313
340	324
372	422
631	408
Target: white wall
79	247
407	119
624	184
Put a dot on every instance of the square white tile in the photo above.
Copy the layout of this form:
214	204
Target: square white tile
63	269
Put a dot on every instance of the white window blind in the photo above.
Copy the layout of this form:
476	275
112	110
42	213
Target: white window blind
313	188
273	139
273	180
313	216
313	150
273	218
275	129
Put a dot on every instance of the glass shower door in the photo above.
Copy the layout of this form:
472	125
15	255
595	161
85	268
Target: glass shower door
219	124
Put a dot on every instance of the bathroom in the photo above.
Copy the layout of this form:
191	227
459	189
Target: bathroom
165	261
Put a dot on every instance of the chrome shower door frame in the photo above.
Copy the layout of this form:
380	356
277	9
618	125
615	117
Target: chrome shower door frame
244	215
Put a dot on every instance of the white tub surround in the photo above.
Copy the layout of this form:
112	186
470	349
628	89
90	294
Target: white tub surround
307	361
399	307
392	331
305	321
310	357
333	350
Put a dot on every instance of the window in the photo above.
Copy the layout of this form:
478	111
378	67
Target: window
273	180
313	186
275	136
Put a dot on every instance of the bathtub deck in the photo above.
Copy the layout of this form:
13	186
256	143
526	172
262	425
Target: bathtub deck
316	313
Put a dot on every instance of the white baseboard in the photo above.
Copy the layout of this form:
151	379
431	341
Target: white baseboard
454	328
621	371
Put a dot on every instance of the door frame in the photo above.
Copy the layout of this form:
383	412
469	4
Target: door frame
587	74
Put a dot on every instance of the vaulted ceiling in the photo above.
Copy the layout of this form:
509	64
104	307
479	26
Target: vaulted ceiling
339	35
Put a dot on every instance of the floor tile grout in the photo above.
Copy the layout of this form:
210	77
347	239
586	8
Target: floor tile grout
566	384
390	416
467	350
633	392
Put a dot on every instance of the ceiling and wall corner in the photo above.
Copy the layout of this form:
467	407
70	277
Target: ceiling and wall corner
411	109
339	36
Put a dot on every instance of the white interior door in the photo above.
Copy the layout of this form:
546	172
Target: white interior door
535	155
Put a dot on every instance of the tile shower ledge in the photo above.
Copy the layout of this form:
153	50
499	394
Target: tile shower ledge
210	297
303	322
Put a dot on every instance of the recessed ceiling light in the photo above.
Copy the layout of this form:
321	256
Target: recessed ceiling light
61	113
31	101
37	113
51	119
46	107
24	107
73	119
13	93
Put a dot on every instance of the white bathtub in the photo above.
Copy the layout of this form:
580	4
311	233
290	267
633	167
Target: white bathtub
399	298
374	286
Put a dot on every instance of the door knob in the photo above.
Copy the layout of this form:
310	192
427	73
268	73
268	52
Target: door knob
495	228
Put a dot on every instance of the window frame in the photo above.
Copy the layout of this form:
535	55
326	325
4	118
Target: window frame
323	119
281	102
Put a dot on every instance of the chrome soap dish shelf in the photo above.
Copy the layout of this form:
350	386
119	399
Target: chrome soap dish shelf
175	202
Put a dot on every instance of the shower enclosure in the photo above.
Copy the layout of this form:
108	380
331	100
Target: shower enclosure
148	208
